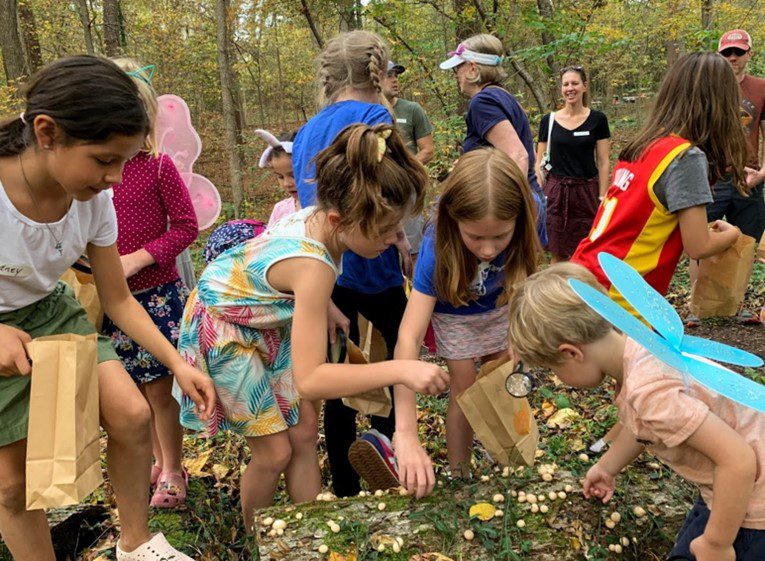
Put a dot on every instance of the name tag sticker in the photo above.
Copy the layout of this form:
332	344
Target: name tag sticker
401	121
15	271
582	133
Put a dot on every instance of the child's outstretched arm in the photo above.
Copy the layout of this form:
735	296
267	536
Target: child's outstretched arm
599	482
735	470
415	469
130	317
698	240
311	282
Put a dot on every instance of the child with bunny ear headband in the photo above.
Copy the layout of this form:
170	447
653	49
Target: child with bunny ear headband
278	157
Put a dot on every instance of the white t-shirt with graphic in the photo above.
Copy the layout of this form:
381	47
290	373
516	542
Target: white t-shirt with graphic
30	263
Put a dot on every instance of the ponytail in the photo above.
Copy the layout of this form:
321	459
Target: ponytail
367	174
15	135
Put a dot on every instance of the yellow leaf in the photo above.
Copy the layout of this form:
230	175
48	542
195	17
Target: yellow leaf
548	408
220	471
563	418
482	511
575	545
196	466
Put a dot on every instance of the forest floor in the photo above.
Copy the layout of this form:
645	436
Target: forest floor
210	527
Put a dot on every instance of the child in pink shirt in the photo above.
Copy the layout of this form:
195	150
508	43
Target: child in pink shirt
706	438
278	157
156	222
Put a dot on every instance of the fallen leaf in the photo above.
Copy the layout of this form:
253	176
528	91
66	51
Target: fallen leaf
563	418
430	557
548	408
482	511
220	471
195	467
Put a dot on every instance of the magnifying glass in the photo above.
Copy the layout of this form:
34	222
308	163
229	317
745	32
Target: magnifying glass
337	351
519	383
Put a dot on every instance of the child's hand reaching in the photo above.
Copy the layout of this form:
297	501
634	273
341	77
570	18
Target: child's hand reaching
599	483
199	387
13	355
704	550
415	470
424	377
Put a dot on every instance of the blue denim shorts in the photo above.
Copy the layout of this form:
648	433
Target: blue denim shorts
749	544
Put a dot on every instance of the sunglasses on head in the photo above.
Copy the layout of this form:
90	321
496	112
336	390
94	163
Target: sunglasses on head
733	51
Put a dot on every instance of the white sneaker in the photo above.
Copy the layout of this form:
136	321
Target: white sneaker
156	549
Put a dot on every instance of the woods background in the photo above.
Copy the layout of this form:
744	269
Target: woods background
242	65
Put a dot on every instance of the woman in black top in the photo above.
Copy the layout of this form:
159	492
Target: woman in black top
579	158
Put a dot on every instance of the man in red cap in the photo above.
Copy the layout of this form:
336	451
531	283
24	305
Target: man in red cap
745	212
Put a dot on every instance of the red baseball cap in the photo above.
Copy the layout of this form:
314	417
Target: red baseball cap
737	38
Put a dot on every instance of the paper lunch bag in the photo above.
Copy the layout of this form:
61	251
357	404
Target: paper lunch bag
504	424
374	402
63	449
85	291
722	280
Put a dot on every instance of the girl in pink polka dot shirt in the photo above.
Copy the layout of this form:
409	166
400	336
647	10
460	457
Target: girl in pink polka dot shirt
156	222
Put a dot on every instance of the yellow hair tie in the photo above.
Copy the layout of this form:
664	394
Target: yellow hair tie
382	136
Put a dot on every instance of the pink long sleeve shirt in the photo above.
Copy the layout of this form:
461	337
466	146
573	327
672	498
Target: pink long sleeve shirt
154	212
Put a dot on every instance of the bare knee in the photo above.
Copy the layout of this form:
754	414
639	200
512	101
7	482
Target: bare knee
273	457
159	393
13	494
305	434
131	421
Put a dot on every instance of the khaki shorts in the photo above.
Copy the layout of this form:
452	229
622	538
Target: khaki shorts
55	314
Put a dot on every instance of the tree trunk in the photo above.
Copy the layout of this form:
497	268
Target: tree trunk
82	11
706	14
279	77
533	86
28	28
10	42
112	34
314	31
546	11
229	109
466	25
350	17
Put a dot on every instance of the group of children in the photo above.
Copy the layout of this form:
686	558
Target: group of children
252	339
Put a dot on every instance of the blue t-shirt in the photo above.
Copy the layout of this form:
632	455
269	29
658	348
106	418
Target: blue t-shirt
489	107
369	276
486	287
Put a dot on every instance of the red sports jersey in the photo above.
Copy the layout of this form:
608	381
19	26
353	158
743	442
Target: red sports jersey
633	225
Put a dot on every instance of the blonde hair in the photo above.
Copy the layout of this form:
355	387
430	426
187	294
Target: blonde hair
484	182
545	312
352	60
147	94
365	190
487	44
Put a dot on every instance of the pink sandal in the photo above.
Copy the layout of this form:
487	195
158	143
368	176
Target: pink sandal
171	490
156	471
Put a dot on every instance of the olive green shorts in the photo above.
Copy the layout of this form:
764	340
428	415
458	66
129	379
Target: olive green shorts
55	314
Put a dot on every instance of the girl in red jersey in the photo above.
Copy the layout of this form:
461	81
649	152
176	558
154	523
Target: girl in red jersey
655	207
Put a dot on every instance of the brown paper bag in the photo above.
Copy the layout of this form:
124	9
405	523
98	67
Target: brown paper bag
721	284
84	288
504	424
63	449
375	402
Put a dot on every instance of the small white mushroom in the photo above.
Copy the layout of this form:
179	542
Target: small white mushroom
561	495
396	548
485	478
379	493
381	506
625	541
299	516
541	498
552	495
323	548
616	517
531	498
499	513
568	488
335	528
498	498
468	535
521	523
268	521
535	508
617	548
272	532
610	547
402	491
280	531
547	477
400	541
381	547
513	493
639	511
543	509
584	457
521	498
610	524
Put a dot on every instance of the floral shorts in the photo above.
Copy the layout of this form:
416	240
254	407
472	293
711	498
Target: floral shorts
165	307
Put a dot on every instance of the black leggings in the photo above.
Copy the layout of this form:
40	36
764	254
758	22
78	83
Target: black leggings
384	310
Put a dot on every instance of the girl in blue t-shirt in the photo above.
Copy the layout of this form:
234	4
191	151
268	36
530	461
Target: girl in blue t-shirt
351	67
483	241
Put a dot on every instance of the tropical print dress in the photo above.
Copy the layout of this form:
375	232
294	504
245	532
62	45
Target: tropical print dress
236	328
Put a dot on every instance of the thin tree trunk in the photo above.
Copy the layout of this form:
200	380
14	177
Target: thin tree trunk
707	14
14	64
112	43
279	77
229	109
83	12
532	85
28	28
546	11
314	31
350	19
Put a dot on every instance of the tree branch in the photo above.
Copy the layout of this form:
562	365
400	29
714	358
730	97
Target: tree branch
314	31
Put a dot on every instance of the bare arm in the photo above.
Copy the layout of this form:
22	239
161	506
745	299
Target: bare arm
541	149
311	282
602	152
755	176
698	240
735	470
503	137
415	467
425	149
130	317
